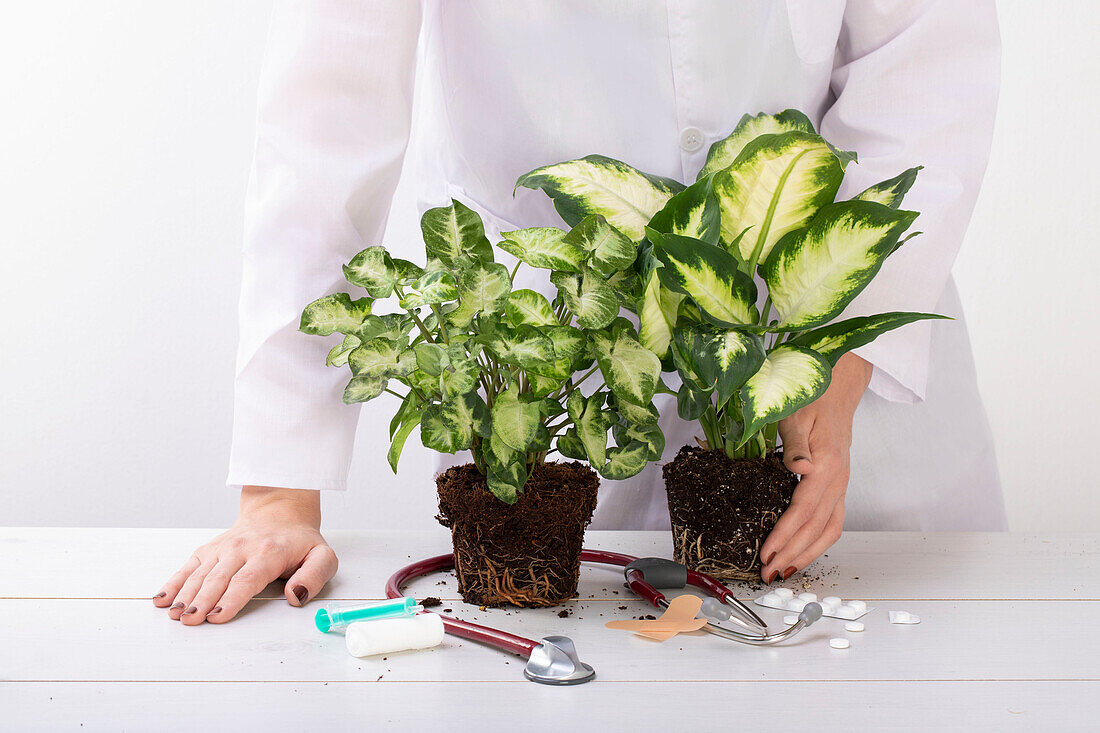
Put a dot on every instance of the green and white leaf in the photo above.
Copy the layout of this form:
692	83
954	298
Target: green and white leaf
336	313
694	212
890	193
814	273
606	248
595	184
569	445
657	314
649	435
373	269
724	152
382	358
530	308
391	326
624	462
455	235
592	424
407	272
775	186
362	389
789	379
482	288
459	374
431	358
517	422
432	288
637	414
545	247
708	275
836	339
438	435
631	370
588	296
507	470
467	414
338	354
723	358
526	347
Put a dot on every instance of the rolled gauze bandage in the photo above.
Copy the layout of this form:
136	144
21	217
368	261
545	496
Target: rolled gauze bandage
366	638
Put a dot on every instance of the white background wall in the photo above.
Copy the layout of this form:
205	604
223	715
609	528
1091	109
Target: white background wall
125	141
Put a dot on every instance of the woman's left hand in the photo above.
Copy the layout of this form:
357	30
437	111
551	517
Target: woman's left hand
816	440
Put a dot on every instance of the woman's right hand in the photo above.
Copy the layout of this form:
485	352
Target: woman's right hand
277	535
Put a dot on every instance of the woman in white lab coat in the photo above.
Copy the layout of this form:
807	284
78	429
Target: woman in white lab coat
511	85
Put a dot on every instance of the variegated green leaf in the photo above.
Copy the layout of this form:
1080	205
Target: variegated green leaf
637	414
691	403
382	358
588	296
631	370
570	344
397	439
526	347
723	358
407	272
372	269
467	414
694	212
507	470
438	435
338	354
517	422
592	424
595	184
409	405
890	193
481	289
431	358
569	445
607	249
817	271
459	374
789	379
432	288
836	339
624	462
362	389
649	435
336	313
391	326
724	152
657	314
531	308
775	186
455	236
545	247
708	275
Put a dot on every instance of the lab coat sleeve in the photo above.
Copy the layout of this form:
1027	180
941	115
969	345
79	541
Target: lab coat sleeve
915	83
333	123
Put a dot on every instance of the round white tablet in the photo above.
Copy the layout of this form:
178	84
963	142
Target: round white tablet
808	597
796	604
853	626
860	606
784	593
846	611
790	619
772	599
838	643
900	617
831	601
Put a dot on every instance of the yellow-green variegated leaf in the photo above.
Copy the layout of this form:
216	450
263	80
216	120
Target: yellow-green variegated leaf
482	288
338	355
588	296
724	152
693	213
570	348
459	373
391	326
596	184
438	435
430	289
890	193
467	414
650	435
517	421
788	380
374	270
455	236
569	445
775	186
836	339
708	275
545	247
626	461
814	273
531	308
657	314
526	347
507	470
336	313
637	414
631	370
592	423
382	358
607	249
362	389
723	358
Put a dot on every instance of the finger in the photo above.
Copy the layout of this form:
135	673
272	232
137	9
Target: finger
795	432
317	568
213	587
252	578
168	591
182	602
829	535
809	533
804	503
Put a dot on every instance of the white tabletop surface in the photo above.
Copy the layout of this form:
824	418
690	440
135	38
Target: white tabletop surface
1008	640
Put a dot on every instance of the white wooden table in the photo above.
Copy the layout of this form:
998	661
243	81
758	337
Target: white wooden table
1009	639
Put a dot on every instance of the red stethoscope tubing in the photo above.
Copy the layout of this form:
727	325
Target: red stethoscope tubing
518	644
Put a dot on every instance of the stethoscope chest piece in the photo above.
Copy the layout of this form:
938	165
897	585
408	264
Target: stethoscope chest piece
555	662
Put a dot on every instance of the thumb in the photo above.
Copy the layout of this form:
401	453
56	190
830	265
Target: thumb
317	568
795	433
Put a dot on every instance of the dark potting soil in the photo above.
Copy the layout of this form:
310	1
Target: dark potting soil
723	509
524	554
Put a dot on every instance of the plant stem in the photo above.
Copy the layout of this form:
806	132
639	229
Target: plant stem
512	274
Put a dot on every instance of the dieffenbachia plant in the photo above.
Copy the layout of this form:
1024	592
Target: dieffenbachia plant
762	209
495	370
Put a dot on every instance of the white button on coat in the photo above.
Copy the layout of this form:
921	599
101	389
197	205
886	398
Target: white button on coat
691	139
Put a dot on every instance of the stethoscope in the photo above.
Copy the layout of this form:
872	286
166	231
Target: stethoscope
554	659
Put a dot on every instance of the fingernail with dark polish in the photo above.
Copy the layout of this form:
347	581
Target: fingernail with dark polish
770	557
789	572
175	606
190	611
162	594
300	593
771	578
217	609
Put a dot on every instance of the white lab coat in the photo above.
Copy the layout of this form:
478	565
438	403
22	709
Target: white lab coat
511	85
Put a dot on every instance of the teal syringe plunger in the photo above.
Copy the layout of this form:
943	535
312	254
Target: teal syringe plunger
339	618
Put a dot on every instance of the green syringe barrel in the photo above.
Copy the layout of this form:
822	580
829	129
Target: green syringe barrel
339	618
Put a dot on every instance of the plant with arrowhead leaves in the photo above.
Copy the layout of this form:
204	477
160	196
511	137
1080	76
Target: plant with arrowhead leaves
763	206
495	370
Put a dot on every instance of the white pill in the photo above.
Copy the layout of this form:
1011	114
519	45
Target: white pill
853	626
860	606
772	600
903	617
790	619
846	611
838	643
784	593
808	597
831	602
796	604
